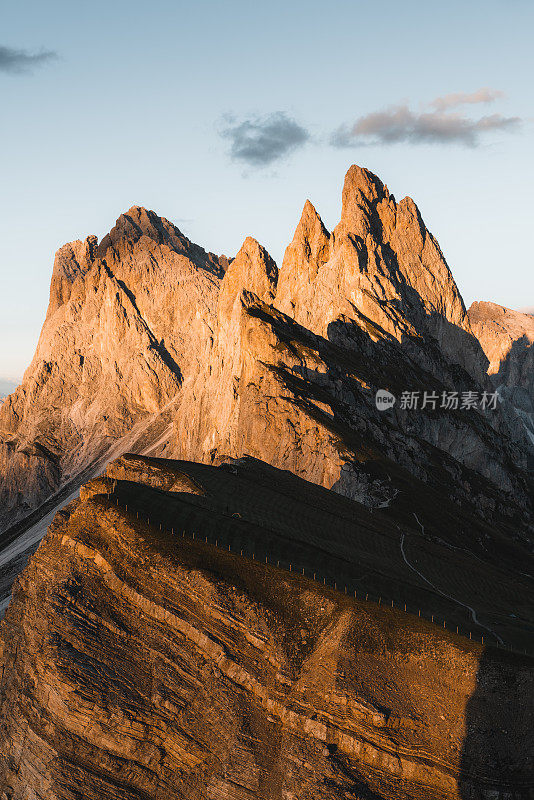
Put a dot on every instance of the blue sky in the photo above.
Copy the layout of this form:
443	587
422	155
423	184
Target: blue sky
132	109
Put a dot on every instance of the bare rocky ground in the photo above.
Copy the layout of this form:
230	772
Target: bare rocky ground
140	663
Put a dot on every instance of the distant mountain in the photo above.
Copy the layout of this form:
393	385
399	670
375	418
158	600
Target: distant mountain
7	386
126	318
508	340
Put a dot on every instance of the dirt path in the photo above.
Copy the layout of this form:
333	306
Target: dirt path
444	594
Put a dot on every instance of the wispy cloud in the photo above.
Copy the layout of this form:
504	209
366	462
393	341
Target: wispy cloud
260	141
484	95
437	126
20	62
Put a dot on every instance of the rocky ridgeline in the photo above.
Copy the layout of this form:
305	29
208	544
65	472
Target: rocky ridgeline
152	345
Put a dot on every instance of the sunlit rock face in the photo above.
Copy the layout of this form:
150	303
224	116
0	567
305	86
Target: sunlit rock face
508	340
296	359
153	345
138	663
380	261
126	319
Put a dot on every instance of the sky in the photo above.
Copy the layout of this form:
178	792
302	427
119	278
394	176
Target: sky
225	116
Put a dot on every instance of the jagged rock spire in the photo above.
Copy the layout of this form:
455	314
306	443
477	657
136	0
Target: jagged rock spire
308	251
252	270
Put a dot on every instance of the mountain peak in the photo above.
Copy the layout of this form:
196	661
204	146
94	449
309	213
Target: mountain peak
254	261
137	222
362	186
310	223
252	269
485	315
304	256
362	179
363	194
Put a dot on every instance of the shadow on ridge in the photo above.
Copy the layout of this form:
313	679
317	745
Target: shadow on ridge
498	750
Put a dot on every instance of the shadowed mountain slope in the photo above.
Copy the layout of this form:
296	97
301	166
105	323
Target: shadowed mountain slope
141	663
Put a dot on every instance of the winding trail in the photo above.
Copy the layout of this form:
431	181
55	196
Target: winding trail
444	594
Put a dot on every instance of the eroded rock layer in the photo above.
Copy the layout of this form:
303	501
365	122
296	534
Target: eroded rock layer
142	664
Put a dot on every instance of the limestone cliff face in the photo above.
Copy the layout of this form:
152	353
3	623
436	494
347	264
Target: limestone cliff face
140	664
152	342
294	365
380	261
126	318
508	340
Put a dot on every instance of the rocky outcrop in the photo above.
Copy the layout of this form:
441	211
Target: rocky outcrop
507	338
292	379
126	319
153	345
382	262
140	663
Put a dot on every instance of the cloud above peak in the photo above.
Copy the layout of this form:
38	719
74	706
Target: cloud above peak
260	141
21	62
436	125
